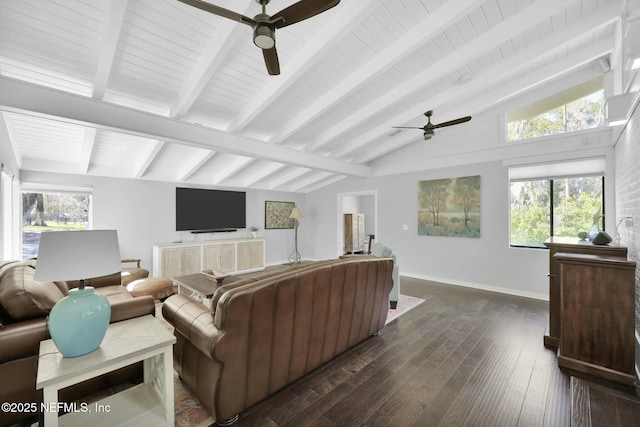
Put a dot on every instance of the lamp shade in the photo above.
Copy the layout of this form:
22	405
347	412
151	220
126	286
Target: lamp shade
74	255
295	213
78	322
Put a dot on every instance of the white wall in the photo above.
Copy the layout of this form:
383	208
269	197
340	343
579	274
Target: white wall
143	212
488	262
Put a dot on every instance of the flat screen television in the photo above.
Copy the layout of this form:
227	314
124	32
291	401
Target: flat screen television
203	210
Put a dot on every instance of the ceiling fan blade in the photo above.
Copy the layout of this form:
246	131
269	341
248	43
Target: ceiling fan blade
406	127
302	10
216	10
271	61
452	122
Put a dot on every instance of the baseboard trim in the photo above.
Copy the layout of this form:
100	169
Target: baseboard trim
508	291
447	281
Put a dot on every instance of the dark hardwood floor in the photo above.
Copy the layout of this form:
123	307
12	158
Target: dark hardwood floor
464	357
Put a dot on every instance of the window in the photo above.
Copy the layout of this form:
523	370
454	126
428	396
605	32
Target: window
48	210
578	108
560	206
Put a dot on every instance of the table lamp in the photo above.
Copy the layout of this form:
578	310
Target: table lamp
77	323
296	215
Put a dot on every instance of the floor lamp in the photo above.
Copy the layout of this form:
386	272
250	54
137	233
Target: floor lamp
296	215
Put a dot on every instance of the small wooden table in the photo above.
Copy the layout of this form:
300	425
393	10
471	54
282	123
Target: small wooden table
148	404
200	286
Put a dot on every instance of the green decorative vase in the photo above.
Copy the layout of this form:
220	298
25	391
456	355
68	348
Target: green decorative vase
78	322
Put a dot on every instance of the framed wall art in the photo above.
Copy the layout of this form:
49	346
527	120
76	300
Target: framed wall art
276	215
449	207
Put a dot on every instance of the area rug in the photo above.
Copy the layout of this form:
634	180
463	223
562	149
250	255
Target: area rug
190	413
405	303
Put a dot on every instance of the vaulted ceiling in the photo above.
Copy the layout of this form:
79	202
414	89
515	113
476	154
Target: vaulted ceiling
157	89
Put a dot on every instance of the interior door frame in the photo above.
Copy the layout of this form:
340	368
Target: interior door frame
340	218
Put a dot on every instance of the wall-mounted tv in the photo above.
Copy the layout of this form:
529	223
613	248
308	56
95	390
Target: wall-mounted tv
204	210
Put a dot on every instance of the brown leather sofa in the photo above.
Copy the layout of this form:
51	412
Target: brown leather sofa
270	329
24	305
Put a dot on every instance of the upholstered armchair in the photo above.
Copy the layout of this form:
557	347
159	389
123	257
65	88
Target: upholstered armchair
129	274
379	249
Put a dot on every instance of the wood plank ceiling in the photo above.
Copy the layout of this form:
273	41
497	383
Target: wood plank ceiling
156	89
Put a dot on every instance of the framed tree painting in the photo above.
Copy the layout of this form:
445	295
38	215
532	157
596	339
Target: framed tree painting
276	215
449	207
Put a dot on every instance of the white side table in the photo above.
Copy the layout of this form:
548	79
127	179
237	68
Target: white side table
148	404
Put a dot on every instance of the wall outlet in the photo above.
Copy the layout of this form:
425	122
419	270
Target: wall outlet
405	227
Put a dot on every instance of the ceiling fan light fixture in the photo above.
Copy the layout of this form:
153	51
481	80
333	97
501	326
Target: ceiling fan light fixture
264	36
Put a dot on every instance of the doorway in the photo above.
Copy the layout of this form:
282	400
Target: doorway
365	202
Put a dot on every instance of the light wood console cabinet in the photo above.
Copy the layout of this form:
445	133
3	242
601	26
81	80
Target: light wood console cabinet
178	261
229	255
250	255
219	257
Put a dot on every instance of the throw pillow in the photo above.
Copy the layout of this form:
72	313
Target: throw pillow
23	297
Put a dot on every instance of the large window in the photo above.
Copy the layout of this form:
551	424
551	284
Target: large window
52	211
560	206
578	108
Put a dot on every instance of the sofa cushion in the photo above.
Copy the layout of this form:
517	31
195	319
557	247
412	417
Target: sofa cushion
380	250
21	296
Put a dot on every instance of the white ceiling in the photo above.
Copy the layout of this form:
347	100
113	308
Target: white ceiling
157	89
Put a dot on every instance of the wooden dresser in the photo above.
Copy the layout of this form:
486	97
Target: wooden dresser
568	245
597	304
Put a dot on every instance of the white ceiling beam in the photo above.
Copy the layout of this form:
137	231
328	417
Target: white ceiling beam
499	34
542	76
215	53
110	35
506	92
46	165
293	173
30	99
323	42
194	164
153	148
239	167
323	183
310	179
262	173
511	64
87	148
233	167
430	27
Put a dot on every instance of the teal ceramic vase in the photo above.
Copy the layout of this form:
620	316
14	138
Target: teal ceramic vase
78	322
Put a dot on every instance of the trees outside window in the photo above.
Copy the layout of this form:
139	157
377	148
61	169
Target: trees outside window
51	212
584	113
553	207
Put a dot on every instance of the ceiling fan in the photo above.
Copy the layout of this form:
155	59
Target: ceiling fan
429	127
264	26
